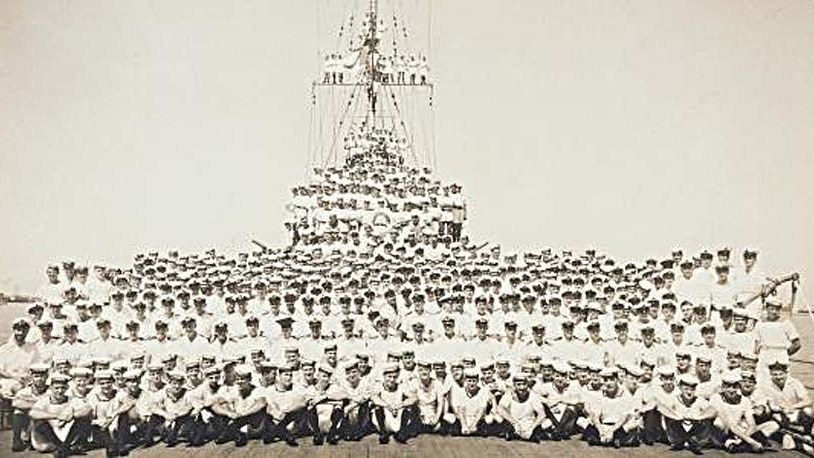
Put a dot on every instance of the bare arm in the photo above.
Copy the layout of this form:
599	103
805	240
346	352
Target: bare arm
219	407
258	405
409	399
37	413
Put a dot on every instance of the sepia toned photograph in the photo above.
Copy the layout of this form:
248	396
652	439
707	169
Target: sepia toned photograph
437	228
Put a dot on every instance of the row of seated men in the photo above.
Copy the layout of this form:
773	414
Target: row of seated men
70	408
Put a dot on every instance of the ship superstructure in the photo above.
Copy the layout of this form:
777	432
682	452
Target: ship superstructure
371	167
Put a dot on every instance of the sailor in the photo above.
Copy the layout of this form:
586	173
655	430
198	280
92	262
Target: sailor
708	380
239	411
16	357
106	405
51	290
429	393
610	415
734	428
356	419
60	424
742	337
521	412
788	401
170	416
324	403
192	344
307	375
567	347
562	402
393	406
750	279
105	345
81	383
222	345
201	398
687	417
710	347
652	420
23	400
776	337
47	344
134	412
285	407
254	341
348	343
622	351
449	344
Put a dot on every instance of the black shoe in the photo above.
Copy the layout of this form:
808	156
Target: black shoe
318	440
677	447
76	450
333	439
149	442
291	442
400	438
18	446
241	440
384	439
222	439
696	450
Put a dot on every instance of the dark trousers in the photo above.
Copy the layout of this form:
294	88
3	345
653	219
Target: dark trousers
19	423
113	443
621	438
696	437
405	428
279	429
653	430
719	437
312	419
224	429
79	433
508	432
566	426
481	428
355	432
803	424
172	434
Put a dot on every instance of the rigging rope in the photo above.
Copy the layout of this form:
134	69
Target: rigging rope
351	103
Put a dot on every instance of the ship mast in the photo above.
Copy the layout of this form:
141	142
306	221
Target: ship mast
361	74
372	44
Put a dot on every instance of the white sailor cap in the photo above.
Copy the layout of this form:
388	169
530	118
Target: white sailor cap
243	370
666	371
81	372
561	367
390	368
731	377
132	374
38	367
688	379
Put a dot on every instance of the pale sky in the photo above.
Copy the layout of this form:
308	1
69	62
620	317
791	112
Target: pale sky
631	126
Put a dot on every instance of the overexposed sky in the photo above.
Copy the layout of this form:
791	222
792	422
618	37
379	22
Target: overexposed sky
631	126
